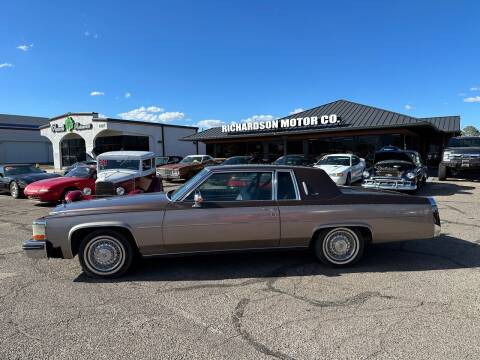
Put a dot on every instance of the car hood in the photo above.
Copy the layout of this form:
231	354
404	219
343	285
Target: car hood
115	204
329	169
397	165
176	166
30	178
116	175
49	183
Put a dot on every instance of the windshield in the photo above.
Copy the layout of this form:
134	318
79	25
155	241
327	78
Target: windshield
161	160
335	160
464	142
177	194
80	172
107	164
191	159
236	160
20	170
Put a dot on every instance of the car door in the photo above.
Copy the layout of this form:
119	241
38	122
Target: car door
357	167
237	212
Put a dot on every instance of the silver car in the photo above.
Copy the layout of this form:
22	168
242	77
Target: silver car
233	208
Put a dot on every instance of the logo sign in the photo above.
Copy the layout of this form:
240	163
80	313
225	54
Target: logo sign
69	125
282	123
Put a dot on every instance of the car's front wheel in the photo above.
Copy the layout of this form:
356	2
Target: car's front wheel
15	190
105	254
339	246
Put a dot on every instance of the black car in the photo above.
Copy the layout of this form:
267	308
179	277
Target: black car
15	177
239	160
295	159
462	154
396	169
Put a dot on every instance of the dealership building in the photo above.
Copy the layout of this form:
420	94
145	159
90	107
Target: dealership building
339	126
74	135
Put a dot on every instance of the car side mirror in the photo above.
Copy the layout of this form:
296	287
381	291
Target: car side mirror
198	200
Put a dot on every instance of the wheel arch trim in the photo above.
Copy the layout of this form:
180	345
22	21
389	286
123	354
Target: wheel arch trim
340	225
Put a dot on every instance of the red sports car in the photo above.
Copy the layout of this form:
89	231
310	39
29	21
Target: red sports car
53	190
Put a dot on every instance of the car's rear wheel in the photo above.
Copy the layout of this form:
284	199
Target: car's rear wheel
15	190
105	254
339	246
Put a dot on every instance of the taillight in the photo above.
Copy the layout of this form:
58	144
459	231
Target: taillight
39	230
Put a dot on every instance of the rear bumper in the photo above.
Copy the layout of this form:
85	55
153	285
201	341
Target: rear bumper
35	249
389	184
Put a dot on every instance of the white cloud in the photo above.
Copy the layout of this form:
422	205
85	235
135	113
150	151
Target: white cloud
210	123
97	93
462	94
6	65
408	107
296	111
152	114
24	47
259	118
472	99
475	88
128	95
155	109
102	116
88	34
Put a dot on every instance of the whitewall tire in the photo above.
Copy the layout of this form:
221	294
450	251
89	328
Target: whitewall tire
339	246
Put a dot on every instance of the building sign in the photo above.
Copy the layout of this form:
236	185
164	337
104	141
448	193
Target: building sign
69	125
282	123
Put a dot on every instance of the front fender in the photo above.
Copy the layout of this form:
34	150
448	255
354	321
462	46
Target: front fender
99	224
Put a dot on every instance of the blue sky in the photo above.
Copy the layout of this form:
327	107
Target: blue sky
186	62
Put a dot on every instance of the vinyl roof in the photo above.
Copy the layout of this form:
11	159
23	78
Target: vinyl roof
353	116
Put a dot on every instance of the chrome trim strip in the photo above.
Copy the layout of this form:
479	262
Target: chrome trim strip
226	250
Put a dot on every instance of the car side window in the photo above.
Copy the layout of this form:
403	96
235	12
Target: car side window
285	186
146	164
355	160
235	186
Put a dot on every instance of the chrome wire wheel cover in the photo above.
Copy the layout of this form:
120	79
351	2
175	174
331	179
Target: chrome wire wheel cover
14	189
104	255
341	246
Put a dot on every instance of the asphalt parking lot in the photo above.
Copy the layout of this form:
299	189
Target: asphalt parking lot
407	300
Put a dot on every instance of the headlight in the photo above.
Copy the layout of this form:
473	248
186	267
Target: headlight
338	174
43	191
39	230
446	155
175	172
87	191
410	175
120	191
366	174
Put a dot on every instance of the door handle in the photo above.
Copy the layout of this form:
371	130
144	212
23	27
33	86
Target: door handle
273	212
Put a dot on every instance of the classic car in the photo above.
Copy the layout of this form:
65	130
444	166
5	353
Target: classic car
15	177
187	168
343	169
80	178
461	155
295	159
396	169
272	207
122	173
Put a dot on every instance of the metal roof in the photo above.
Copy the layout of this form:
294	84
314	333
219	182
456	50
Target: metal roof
353	116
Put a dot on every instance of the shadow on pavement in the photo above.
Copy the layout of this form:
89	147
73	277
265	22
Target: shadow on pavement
444	253
443	189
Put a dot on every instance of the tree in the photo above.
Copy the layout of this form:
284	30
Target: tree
470	131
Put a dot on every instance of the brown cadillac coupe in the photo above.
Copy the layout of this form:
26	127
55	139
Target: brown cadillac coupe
188	167
233	208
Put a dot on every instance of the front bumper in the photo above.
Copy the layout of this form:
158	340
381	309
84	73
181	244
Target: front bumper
389	184
462	164
35	249
437	230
